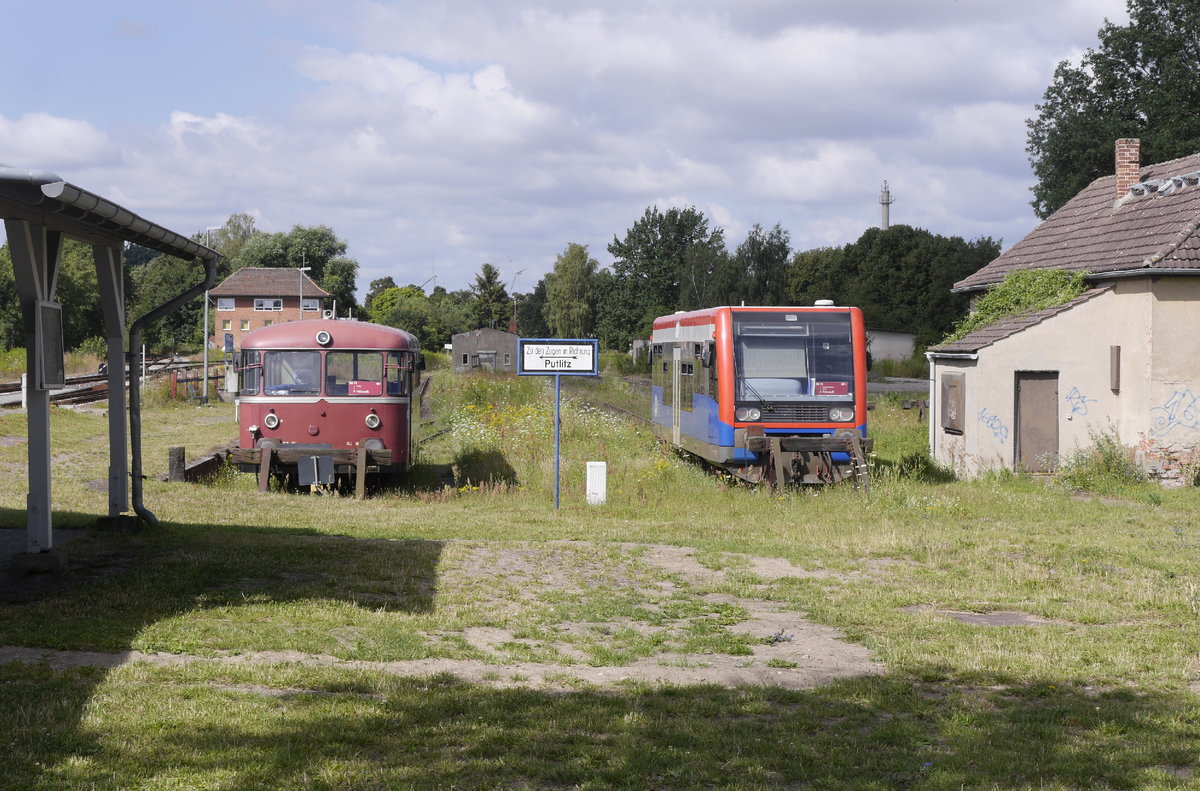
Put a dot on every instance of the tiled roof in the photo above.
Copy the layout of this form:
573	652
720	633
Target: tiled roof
1094	231
969	344
267	281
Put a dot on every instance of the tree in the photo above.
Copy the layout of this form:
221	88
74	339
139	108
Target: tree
763	258
377	287
570	299
316	247
709	275
901	278
1143	81
490	305
816	274
156	282
648	266
531	319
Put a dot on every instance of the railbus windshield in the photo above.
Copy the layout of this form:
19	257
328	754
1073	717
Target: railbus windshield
801	356
292	373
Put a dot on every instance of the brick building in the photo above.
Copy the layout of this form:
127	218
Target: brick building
254	297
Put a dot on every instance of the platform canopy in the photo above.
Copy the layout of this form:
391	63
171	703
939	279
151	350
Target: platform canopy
39	210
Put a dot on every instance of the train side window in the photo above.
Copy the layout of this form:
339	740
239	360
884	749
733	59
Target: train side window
251	372
398	370
354	373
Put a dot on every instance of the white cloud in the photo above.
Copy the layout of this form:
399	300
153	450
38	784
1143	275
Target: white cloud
436	136
46	142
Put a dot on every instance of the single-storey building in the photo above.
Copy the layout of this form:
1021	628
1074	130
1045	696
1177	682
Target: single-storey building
491	350
254	297
1121	360
891	344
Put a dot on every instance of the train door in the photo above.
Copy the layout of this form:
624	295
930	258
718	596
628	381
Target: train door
675	410
1037	421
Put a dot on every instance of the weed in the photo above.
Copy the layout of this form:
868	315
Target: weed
1106	466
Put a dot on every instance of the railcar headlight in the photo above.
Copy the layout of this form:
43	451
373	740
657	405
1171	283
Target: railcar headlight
324	338
841	414
373	421
748	413
271	420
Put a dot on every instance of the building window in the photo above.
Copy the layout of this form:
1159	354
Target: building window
953	404
507	358
245	325
311	304
226	324
267	323
466	359
224	303
268	304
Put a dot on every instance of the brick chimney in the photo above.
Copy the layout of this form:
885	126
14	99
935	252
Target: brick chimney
1129	164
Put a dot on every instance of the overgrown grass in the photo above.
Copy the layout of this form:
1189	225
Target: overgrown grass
75	363
1098	693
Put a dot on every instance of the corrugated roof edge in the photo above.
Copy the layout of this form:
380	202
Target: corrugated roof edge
1007	327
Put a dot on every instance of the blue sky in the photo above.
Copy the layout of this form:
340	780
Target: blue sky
434	137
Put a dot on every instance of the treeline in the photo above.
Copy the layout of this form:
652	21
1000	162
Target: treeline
666	261
673	260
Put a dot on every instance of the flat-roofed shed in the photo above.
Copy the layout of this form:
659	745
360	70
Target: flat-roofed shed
40	210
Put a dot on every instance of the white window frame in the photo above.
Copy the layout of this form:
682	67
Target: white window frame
268	303
310	303
225	303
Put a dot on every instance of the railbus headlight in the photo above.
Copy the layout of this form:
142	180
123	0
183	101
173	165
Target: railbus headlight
747	413
841	414
373	421
271	420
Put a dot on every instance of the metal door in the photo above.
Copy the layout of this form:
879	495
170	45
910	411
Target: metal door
1036	421
675	410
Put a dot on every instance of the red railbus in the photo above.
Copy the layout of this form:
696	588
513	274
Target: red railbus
334	394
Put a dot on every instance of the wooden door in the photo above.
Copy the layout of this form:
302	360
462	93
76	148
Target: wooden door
1036	421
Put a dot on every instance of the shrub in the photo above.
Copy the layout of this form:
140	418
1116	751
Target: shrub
1106	466
1023	291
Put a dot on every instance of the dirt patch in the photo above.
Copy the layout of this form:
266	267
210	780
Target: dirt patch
995	618
776	644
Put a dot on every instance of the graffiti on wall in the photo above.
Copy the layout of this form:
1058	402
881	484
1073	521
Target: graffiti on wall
1181	410
1078	402
994	424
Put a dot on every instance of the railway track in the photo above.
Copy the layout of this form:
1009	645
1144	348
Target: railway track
90	388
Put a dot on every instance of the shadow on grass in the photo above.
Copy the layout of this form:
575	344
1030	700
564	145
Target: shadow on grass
288	726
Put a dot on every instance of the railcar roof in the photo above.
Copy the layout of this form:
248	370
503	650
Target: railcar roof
699	316
347	334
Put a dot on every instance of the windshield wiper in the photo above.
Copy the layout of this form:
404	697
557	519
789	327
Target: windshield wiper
762	401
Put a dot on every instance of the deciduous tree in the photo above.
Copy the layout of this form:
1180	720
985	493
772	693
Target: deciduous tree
1142	81
570	297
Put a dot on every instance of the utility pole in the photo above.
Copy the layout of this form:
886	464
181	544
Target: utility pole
885	200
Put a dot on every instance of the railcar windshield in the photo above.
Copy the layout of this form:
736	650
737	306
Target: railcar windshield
292	373
801	356
354	373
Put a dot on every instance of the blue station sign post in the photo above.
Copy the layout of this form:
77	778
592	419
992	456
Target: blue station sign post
557	357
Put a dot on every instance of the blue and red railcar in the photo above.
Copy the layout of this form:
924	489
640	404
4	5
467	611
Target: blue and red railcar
776	394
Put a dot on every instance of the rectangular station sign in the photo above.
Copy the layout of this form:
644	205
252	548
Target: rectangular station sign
557	356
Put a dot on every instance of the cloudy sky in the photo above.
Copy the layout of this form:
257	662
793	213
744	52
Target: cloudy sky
436	136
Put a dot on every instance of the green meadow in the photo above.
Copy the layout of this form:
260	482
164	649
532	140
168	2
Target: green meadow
459	632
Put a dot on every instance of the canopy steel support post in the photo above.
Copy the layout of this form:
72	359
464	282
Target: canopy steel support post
35	254
109	271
